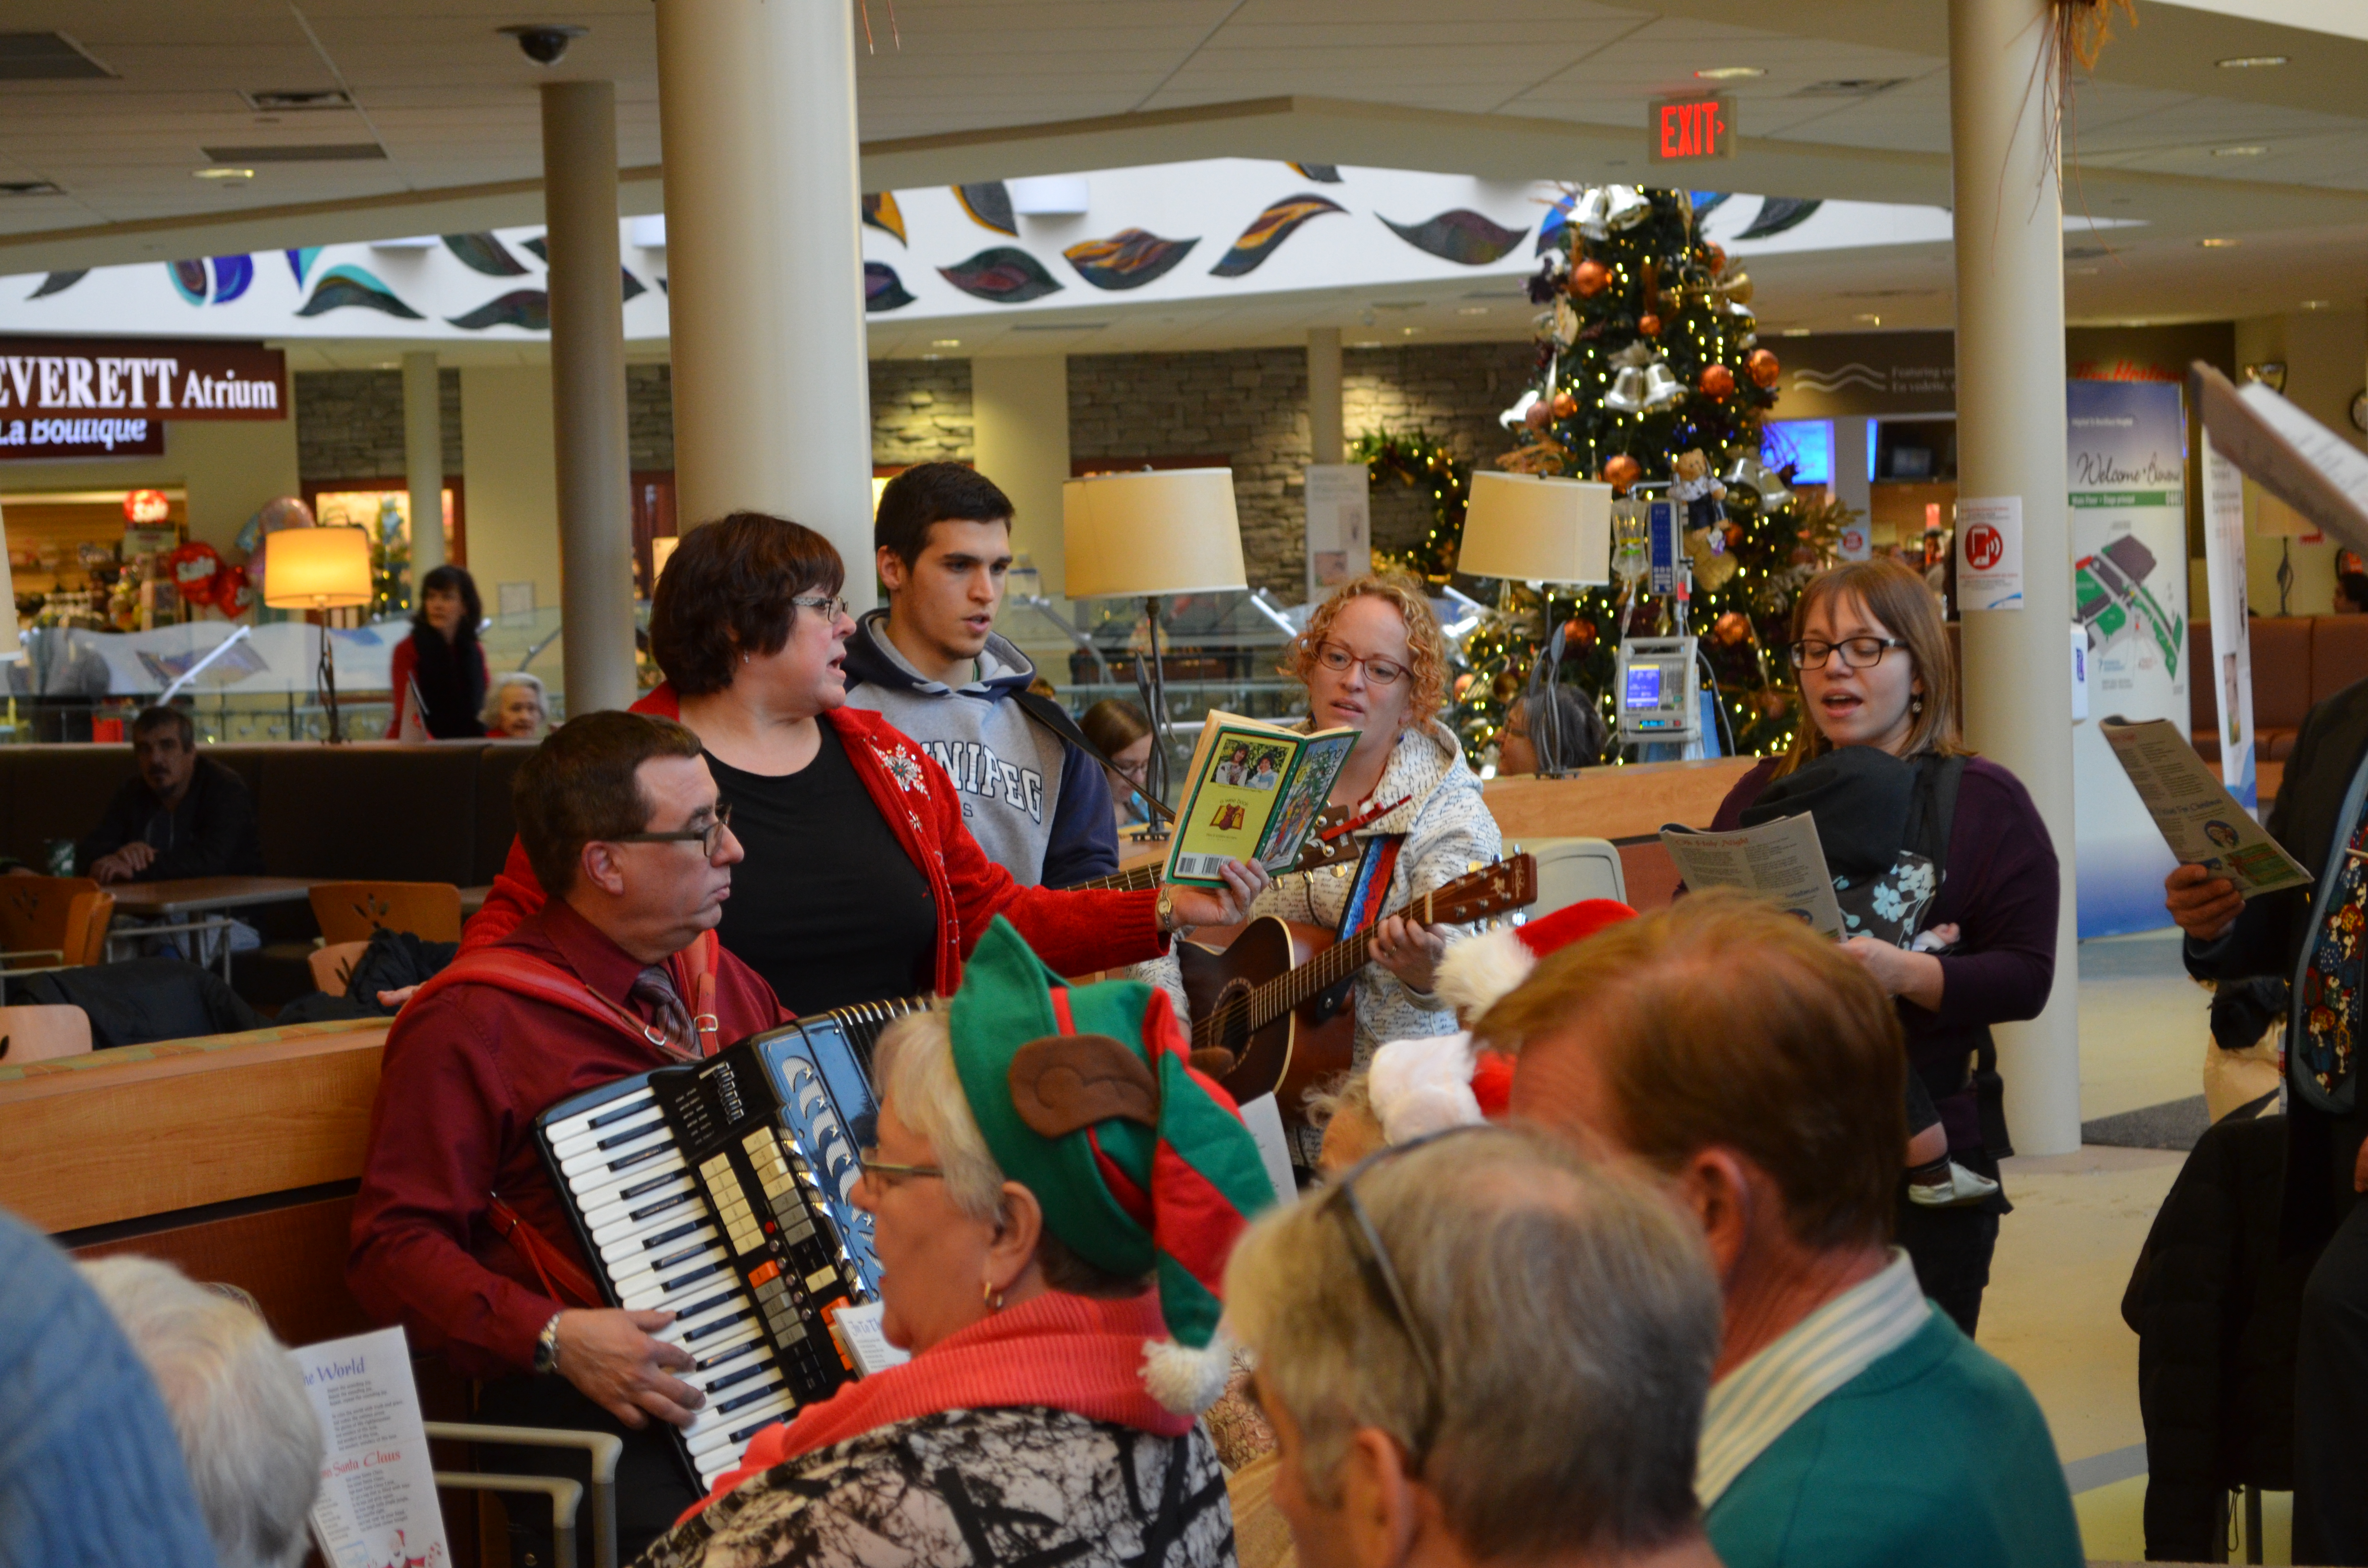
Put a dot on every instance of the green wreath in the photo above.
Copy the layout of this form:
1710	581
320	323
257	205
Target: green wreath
1417	460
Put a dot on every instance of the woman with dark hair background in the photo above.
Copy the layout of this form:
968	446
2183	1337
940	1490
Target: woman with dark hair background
443	659
861	883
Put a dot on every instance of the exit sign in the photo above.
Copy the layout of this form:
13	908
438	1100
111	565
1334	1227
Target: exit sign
1688	130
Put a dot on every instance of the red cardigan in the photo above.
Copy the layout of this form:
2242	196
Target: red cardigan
1075	932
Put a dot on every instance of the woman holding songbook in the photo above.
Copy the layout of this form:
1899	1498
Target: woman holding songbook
1033	1140
1944	871
861	883
1373	659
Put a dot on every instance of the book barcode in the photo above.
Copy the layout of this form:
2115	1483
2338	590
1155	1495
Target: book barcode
1199	865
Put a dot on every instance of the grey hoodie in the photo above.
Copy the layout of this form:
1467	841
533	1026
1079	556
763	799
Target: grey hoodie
1037	805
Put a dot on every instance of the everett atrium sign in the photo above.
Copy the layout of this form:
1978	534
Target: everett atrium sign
75	397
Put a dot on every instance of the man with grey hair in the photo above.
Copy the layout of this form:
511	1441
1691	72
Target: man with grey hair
1479	1347
249	1434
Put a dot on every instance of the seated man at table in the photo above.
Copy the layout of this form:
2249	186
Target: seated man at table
458	1233
179	815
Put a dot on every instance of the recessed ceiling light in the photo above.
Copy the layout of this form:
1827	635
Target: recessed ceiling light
1409	331
1471	310
932	356
2217	244
2246	151
1870	318
1729	73
2251	62
945	343
218	172
2317	305
1795	332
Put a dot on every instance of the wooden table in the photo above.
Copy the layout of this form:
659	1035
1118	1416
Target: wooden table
204	897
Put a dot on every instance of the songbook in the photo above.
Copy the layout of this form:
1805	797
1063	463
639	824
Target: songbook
2286	452
1253	792
2194	812
1781	861
377	1505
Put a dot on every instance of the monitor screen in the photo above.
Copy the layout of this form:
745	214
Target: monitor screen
1807	444
1644	686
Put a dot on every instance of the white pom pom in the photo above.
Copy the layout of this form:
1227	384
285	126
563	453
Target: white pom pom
1188	1381
1422	1086
1475	971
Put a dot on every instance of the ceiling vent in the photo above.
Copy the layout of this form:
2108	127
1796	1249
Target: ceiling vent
315	153
46	57
297	101
1849	87
31	188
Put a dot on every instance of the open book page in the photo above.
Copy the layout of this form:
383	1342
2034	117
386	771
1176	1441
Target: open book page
2286	452
2199	819
1321	757
377	1502
1779	861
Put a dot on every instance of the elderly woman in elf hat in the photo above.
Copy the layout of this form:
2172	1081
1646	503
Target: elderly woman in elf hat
1055	1194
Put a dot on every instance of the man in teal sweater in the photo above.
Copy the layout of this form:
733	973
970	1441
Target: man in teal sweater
1758	1067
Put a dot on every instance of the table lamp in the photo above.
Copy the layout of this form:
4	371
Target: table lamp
1530	528
319	569
2272	519
1143	535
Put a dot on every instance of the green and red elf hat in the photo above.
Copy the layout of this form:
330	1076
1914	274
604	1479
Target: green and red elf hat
1087	1098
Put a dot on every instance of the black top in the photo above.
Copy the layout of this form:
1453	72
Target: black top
827	907
210	834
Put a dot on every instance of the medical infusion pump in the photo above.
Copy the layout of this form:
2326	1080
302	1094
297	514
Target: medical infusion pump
1661	689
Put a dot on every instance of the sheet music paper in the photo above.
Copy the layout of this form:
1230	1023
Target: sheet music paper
1779	861
2194	812
376	1507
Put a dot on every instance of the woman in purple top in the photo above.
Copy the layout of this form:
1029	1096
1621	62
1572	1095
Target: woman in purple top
1945	873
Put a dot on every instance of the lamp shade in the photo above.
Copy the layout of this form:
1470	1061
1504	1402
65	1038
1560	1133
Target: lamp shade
1166	532
317	569
1537	529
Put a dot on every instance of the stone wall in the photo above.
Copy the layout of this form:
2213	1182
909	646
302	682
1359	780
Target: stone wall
350	423
649	417
921	412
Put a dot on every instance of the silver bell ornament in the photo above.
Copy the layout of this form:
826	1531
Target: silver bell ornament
1625	207
1662	390
1755	487
1515	417
1587	216
1627	393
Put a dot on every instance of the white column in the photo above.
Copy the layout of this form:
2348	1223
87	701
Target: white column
1326	422
765	264
1020	423
423	464
2011	442
588	392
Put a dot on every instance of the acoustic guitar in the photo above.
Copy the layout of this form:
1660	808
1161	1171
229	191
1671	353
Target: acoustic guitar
1279	997
1329	844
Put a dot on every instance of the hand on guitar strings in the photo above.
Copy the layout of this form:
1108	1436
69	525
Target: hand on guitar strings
1409	950
1227	905
609	1355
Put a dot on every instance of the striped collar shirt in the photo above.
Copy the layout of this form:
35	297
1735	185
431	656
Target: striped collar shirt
1756	1403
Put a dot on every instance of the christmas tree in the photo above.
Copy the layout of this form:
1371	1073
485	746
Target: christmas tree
1647	354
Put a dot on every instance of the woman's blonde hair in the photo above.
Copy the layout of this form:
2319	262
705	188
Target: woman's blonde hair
1898	598
1426	643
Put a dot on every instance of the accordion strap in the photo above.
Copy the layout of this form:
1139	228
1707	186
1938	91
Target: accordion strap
562	1279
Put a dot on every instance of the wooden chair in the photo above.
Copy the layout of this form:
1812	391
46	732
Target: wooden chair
53	921
333	966
349	911
43	1034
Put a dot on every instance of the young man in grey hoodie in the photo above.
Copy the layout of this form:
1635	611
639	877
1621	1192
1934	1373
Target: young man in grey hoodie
1037	804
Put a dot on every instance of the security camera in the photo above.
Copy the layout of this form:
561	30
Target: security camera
545	42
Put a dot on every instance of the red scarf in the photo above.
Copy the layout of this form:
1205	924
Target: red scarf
1064	1352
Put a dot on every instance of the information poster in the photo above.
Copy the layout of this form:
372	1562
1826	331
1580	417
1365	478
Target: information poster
2232	635
1340	525
376	1507
1989	552
2127	451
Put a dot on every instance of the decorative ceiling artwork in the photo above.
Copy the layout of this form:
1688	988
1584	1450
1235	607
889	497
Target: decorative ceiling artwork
300	261
1003	274
989	206
1128	259
1322	174
880	212
883	289
1780	214
528	308
1268	230
58	282
485	253
1463	236
348	286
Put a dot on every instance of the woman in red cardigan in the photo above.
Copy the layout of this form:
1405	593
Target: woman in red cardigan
861	882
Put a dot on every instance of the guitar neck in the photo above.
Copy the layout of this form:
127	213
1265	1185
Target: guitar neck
1135	881
1317	975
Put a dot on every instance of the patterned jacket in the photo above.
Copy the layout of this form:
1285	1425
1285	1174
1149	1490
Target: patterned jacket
1075	932
994	1488
1447	830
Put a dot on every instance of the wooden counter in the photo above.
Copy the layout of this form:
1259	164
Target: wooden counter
1616	804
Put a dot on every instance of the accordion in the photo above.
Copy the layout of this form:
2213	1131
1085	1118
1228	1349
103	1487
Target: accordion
722	1190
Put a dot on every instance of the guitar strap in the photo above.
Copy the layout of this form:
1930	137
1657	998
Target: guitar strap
1372	887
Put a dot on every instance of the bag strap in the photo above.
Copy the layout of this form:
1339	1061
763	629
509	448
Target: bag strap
562	1279
1055	718
1937	779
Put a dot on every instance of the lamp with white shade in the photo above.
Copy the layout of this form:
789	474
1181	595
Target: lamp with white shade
1530	528
319	569
1144	535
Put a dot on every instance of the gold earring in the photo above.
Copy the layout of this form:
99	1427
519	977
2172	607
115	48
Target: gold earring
991	1297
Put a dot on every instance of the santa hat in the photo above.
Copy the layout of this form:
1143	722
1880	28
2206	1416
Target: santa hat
1087	1096
1480	969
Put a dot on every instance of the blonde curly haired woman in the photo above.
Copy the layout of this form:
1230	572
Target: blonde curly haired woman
1373	659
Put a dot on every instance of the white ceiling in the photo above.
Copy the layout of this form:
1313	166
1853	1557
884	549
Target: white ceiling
986	88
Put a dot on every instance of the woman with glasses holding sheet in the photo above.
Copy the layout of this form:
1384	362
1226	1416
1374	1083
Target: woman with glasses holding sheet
1946	876
1373	659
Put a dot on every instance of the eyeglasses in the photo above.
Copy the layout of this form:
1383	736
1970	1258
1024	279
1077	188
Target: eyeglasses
709	838
1382	1280
1381	672
1858	652
871	1167
831	605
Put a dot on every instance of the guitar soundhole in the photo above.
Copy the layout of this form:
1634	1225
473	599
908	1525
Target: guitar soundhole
1233	1005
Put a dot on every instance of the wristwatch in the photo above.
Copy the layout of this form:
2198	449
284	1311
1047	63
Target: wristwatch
1166	910
546	1346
